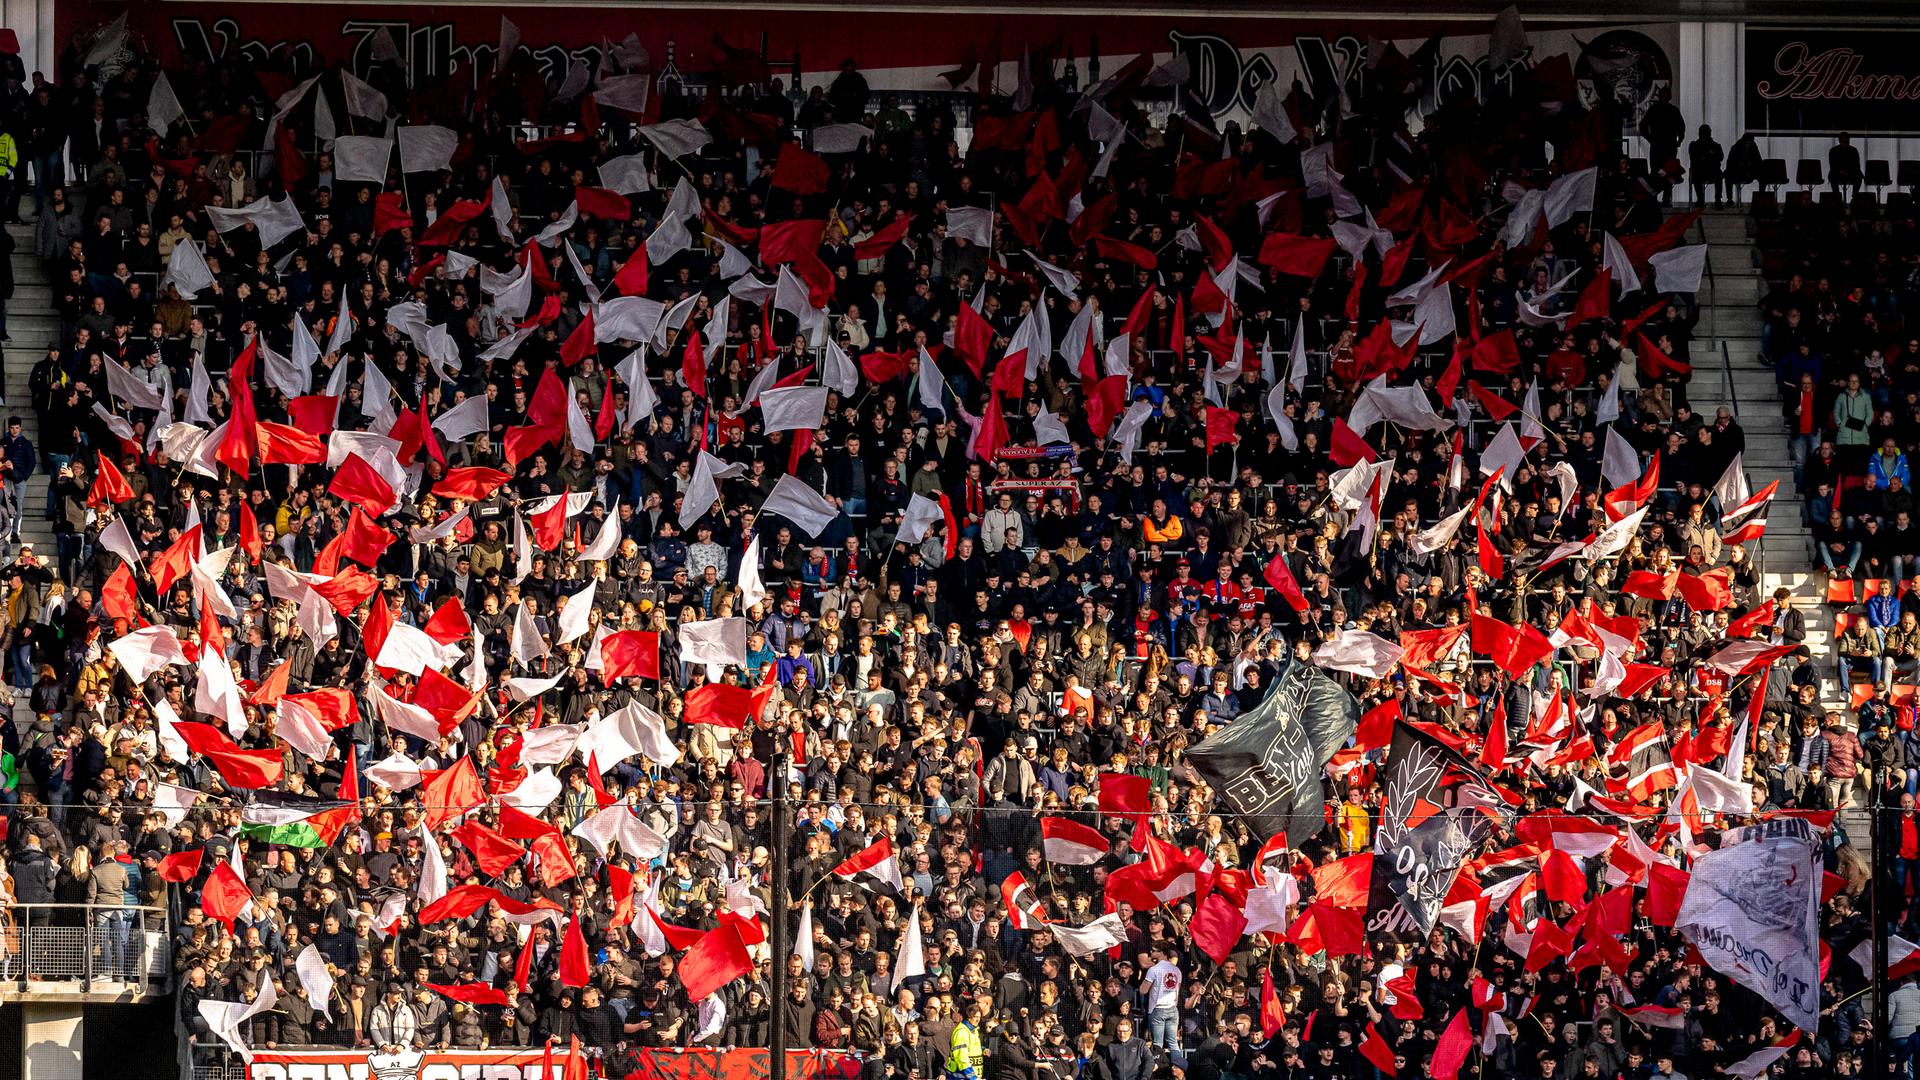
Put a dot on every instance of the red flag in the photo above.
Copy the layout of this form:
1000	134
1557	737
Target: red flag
1514	648
1493	748
1595	301
602	203
180	866
1375	1049
109	485
992	436
332	706
224	896
1497	353
239	768
1302	256
800	171
580	343
389	215
1491	562
550	526
1450	1053
248	534
356	483
1222	427
1498	408
1376	727
790	241
474	993
349	789
1216	927
1126	794
724	705
693	363
632	278
718	958
882	240
1710	591
1347	447
1666	885
630	652
1280	576
972	337
575	969
1272	1016
120	596
1121	251
472	483
448	793
523	971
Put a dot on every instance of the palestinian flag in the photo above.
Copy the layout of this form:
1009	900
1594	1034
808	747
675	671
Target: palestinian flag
275	817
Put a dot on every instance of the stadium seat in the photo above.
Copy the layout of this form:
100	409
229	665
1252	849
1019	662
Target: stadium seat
1878	174
1909	175
1808	173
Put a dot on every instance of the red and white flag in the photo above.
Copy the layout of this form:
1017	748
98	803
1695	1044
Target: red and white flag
877	861
1024	909
1903	957
1072	844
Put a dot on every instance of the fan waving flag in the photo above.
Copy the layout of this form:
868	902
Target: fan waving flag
1070	843
876	861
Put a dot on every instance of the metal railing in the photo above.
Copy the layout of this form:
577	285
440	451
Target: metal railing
49	948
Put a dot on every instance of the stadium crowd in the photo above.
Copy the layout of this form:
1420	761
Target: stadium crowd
1069	551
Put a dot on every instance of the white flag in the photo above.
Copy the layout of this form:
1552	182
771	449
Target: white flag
1569	195
840	139
1619	461
971	223
163	105
362	98
1097	936
427	148
315	979
528	645
626	175
704	488
1616	262
396	772
467	419
572	622
129	388
714	641
172	802
1752	908
361	158
677	138
793	408
1679	270
187	270
921	515
752	589
911	961
806	508
1359	652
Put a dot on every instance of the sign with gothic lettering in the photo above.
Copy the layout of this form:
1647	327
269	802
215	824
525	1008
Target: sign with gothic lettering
1226	60
1823	82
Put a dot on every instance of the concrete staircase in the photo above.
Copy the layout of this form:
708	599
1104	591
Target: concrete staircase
1745	385
32	325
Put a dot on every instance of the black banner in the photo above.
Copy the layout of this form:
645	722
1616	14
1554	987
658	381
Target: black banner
1823	82
1267	763
1432	823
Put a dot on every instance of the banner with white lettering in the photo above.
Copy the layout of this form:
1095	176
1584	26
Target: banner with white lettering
1752	908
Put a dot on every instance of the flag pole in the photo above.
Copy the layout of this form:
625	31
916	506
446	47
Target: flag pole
777	943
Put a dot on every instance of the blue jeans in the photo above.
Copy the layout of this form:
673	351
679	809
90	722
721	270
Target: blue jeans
23	667
116	959
1852	558
55	462
48	173
1163	1029
1799	449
